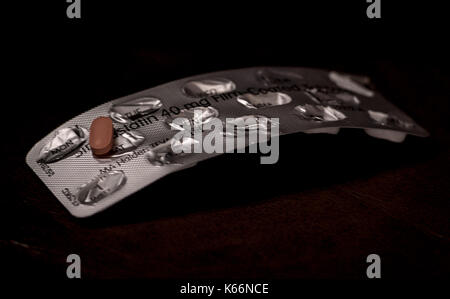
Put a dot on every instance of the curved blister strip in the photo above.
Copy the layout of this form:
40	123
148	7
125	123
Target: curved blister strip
150	143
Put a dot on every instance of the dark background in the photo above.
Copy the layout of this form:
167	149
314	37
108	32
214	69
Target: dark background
318	213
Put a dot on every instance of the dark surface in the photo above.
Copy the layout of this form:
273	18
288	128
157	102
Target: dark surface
318	213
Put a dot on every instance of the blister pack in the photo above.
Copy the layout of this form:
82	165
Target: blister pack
173	126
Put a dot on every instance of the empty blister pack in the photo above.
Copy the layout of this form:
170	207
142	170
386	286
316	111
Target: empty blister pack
279	100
